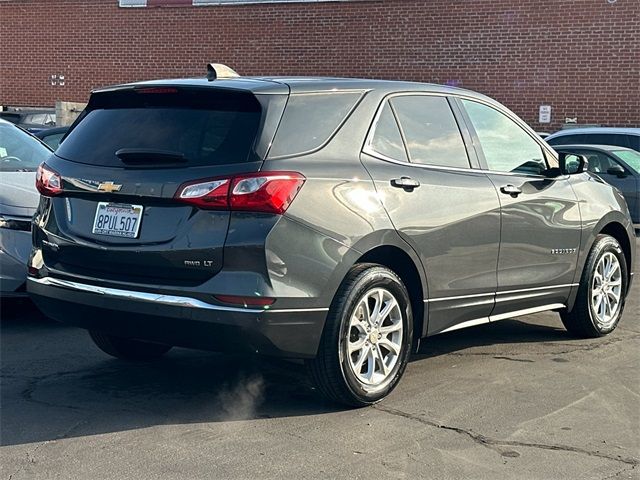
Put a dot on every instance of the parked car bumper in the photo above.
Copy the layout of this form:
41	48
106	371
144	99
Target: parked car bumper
180	321
15	246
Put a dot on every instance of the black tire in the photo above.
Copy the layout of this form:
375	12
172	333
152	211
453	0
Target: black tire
128	349
331	369
582	320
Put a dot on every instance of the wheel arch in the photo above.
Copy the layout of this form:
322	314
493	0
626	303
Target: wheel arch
400	262
613	225
617	231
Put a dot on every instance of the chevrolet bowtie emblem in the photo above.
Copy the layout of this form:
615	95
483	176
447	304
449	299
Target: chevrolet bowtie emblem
109	187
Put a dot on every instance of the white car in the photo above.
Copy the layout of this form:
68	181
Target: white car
20	155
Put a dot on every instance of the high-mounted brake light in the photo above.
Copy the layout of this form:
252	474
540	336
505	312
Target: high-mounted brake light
266	192
48	181
156	90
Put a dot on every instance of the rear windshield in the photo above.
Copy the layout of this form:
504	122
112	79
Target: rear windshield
203	128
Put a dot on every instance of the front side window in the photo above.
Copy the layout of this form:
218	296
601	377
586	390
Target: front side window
386	138
631	158
430	131
506	146
598	162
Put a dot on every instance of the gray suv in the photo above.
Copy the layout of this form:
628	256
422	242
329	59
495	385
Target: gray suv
337	221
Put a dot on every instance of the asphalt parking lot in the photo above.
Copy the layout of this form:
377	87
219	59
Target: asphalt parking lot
514	399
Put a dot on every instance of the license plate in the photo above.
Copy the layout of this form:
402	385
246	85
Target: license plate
117	220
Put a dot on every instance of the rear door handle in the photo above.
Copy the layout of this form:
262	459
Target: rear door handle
511	190
406	183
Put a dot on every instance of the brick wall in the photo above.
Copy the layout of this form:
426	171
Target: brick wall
582	57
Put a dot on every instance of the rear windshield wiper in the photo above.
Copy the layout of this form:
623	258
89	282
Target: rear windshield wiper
145	156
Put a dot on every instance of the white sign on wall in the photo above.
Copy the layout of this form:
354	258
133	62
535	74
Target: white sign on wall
545	114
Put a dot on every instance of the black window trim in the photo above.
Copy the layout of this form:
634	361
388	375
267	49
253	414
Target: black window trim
367	148
399	126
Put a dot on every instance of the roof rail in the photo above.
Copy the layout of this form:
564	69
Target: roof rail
219	70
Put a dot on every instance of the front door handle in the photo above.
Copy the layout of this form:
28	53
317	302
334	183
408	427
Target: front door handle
511	190
406	183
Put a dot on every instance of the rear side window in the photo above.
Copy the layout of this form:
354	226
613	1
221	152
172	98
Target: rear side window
620	140
609	139
430	131
566	140
386	138
205	128
310	120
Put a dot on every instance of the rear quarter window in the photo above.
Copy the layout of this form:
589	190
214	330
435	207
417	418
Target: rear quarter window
310	120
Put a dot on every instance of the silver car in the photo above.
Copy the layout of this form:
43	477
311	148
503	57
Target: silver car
622	137
20	155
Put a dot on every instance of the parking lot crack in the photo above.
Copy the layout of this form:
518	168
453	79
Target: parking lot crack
30	454
35	381
27	395
497	445
499	357
620	472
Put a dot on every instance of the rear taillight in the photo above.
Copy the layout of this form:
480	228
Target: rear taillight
48	181
268	192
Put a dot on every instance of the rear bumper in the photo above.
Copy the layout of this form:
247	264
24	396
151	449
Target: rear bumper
180	321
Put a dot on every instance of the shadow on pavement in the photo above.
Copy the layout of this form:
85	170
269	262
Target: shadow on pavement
499	333
19	308
51	398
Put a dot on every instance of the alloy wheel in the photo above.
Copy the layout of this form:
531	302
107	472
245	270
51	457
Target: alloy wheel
606	290
375	335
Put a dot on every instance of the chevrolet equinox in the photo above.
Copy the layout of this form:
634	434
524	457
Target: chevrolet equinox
338	221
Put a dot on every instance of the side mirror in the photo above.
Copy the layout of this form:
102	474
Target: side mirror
571	163
617	170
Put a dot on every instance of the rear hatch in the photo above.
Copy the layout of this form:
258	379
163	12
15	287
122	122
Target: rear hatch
122	165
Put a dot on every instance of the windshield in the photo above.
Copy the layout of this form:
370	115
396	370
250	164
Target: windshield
19	151
630	157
